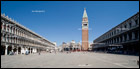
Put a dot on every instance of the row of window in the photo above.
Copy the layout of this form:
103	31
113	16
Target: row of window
20	32
124	27
125	37
19	41
17	31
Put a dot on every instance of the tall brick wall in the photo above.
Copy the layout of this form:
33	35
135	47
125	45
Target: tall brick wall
85	39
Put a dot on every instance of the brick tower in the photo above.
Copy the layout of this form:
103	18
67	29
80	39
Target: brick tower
85	31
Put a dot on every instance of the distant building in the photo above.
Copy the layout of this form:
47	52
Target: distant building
71	46
124	38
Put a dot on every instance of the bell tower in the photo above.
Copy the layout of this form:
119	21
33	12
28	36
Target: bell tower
85	31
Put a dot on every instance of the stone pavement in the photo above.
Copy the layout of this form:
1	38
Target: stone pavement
71	60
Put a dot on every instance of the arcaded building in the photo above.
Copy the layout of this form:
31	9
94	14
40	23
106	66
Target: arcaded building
19	39
124	38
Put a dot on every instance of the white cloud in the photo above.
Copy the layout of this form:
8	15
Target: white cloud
38	11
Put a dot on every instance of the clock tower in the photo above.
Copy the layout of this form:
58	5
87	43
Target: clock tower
85	31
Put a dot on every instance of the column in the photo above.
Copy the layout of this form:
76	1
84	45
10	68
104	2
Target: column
21	50
6	46
113	41
119	39
133	35
133	22
12	48
127	37
17	50
24	50
35	50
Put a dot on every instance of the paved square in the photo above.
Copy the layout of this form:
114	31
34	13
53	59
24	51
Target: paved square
71	60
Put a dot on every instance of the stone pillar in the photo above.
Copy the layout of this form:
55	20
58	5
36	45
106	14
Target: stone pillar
17	50
35	50
133	35
119	39
6	46
113	41
12	48
133	22
23	50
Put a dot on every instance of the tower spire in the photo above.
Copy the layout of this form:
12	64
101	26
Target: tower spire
85	13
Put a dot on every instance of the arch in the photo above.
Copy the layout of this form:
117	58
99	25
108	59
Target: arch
19	50
9	49
15	49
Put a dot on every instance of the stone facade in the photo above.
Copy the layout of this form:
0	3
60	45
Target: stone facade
19	39
71	46
124	37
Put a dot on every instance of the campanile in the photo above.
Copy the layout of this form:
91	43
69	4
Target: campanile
85	31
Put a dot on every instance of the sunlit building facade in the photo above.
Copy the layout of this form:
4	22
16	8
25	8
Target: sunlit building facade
19	39
124	38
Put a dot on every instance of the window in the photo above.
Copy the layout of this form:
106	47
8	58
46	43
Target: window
85	24
136	22
130	25
114	31
124	26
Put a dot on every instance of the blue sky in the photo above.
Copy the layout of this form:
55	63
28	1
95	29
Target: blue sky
62	20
